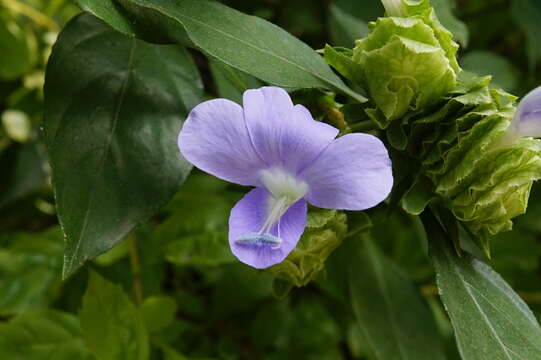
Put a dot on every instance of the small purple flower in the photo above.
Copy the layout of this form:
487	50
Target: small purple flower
527	120
290	159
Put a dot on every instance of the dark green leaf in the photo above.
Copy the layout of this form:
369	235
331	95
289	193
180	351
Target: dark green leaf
245	42
111	126
43	335
526	14
394	320
490	320
112	327
22	172
231	83
344	27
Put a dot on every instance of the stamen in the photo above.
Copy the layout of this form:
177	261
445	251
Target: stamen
285	190
259	239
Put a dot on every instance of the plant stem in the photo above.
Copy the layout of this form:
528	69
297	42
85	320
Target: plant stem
137	287
30	12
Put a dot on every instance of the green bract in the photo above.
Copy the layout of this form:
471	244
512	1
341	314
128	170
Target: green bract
483	179
406	63
325	230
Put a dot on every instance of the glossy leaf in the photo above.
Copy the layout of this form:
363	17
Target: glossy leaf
245	42
111	126
113	327
490	320
394	320
43	335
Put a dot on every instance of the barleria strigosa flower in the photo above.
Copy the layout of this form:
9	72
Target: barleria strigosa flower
527	119
290	159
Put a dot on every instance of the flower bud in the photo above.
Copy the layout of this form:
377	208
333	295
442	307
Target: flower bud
527	119
324	232
406	63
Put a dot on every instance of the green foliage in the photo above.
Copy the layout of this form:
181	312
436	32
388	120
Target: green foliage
490	319
135	125
484	192
360	285
29	271
113	328
17	45
247	43
374	284
41	335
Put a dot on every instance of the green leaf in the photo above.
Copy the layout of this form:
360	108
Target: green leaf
111	126
342	63
198	236
43	335
344	27
22	172
526	15
504	73
444	11
231	83
30	270
113	328
158	312
490	320
17	46
248	43
394	320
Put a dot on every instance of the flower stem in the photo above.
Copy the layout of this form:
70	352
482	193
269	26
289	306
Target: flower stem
394	8
137	288
30	12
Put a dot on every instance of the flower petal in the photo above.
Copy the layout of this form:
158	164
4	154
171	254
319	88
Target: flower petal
248	216
284	135
353	173
214	138
527	120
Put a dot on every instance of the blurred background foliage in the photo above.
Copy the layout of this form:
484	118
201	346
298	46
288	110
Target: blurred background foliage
194	300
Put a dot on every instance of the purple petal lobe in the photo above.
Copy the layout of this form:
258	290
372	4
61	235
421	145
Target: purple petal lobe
283	134
353	173
263	250
214	138
527	121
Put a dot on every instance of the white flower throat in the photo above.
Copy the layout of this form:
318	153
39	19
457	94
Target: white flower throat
285	190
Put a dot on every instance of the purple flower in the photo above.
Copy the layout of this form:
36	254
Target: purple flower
527	120
291	159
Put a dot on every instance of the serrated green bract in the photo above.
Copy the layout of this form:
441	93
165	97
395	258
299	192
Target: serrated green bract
325	230
407	63
482	178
